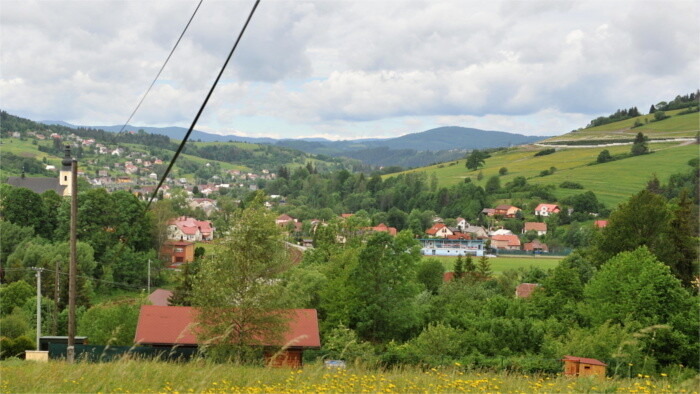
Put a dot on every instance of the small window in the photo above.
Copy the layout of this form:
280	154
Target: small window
65	177
586	367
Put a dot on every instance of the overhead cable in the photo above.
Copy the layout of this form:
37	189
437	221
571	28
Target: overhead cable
201	109
161	68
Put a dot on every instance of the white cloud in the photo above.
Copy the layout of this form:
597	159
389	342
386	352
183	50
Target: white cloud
347	68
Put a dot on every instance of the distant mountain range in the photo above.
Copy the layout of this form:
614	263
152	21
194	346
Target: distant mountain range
410	150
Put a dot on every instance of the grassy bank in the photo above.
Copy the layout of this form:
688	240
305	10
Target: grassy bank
147	376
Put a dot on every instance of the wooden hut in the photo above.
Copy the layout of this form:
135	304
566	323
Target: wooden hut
580	366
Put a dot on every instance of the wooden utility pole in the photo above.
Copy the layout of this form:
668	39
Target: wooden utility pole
70	352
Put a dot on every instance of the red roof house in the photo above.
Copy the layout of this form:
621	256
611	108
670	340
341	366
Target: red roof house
381	227
546	209
535	246
186	228
541	228
439	230
600	223
175	325
508	242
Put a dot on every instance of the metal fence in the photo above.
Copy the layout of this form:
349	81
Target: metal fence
559	252
97	353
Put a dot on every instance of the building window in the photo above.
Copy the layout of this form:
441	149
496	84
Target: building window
179	250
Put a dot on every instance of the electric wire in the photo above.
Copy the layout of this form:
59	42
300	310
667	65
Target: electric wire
204	104
161	68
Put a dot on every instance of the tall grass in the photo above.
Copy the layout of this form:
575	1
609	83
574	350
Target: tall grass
201	376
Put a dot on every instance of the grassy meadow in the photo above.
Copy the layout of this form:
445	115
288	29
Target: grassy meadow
500	264
198	376
612	182
676	126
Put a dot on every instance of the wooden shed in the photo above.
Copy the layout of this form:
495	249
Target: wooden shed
580	366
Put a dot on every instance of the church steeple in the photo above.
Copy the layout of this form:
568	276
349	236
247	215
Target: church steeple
64	175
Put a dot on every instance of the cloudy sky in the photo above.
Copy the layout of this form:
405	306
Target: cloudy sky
341	69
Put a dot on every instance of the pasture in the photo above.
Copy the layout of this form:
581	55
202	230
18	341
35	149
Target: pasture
612	182
504	263
18	376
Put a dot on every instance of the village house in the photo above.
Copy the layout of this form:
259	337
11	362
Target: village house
540	228
381	227
190	229
439	230
546	209
505	242
600	224
177	252
283	220
536	247
461	223
168	326
507	211
488	211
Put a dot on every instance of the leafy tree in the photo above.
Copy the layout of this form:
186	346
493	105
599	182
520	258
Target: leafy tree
475	159
236	291
634	286
110	324
503	171
12	235
382	286
493	185
604	156
660	115
23	207
640	147
430	273
13	295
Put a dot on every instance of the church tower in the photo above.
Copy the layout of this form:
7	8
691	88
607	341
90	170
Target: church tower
65	178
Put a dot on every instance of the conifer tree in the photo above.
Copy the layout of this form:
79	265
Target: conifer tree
469	265
484	267
459	267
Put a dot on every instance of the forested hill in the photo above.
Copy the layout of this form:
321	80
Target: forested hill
253	156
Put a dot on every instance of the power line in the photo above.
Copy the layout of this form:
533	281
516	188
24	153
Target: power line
204	104
162	67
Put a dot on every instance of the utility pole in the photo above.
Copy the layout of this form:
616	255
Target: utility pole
54	325
149	276
38	304
70	351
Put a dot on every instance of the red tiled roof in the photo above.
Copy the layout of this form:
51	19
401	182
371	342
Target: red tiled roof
284	217
436	227
535	244
459	236
173	325
512	239
381	227
536	226
601	223
583	360
160	297
550	207
524	290
345	215
503	207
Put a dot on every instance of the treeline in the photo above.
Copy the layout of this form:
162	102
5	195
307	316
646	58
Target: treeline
620	114
16	164
680	102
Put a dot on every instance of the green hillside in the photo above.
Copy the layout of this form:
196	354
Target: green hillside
612	182
675	126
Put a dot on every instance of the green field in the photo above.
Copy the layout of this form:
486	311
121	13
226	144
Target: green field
676	126
612	182
500	264
198	376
